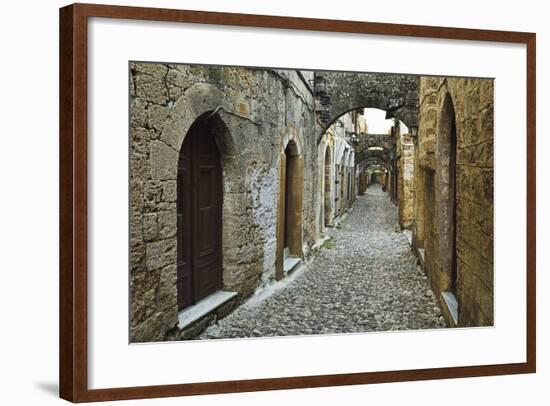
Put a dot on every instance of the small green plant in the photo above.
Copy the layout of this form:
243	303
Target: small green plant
330	243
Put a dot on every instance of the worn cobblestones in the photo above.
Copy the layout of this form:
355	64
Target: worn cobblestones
364	279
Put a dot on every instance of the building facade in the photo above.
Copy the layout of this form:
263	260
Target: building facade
241	144
453	197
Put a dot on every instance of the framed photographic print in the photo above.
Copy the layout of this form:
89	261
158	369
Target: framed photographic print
256	202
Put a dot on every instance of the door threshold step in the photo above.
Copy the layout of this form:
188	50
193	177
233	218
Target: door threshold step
206	306
408	236
452	306
290	264
421	256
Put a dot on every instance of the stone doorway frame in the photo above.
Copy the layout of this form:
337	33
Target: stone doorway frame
202	102
289	208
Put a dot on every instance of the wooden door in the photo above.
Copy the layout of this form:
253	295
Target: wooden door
199	209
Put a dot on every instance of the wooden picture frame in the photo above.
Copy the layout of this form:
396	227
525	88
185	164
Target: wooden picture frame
73	201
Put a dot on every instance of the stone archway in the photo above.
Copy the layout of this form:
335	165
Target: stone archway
205	104
289	213
340	92
446	195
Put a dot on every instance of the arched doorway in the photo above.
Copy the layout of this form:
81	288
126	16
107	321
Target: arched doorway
293	202
447	151
199	216
289	224
342	183
328	187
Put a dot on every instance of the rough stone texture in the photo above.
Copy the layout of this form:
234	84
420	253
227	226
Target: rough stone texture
405	148
419	196
252	112
340	92
351	285
473	106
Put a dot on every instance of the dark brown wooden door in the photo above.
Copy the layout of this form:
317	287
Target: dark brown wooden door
199	207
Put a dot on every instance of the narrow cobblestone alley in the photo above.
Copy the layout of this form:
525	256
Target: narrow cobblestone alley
364	279
269	202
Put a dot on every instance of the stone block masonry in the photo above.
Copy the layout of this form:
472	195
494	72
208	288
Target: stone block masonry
473	108
405	170
250	111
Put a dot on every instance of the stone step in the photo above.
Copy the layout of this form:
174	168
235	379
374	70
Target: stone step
203	308
452	306
290	264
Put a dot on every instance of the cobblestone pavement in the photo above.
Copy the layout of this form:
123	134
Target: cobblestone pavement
364	279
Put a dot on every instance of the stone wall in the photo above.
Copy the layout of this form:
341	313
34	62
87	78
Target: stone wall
405	148
472	100
250	111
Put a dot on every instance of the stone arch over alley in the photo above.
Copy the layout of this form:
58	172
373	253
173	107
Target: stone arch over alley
366	196
341	92
362	155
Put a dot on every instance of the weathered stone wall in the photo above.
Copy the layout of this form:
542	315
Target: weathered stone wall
431	265
472	100
251	112
405	148
419	196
